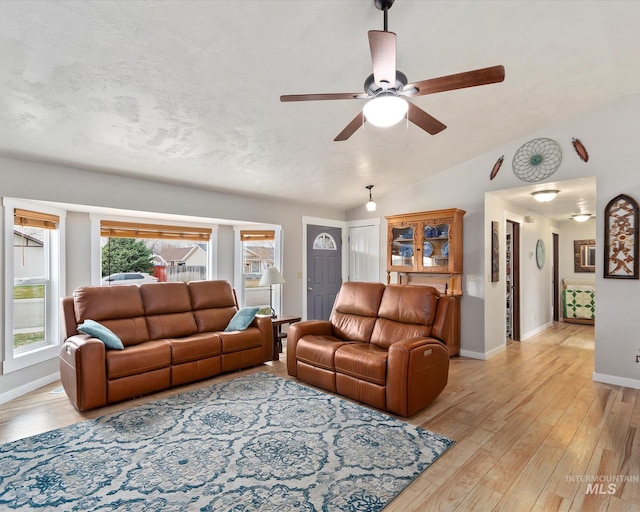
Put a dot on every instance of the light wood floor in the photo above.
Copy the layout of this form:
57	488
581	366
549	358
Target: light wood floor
531	430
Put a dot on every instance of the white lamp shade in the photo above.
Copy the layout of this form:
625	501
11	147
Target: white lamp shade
371	205
581	217
385	110
271	276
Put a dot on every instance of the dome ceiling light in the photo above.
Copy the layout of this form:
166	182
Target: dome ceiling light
544	196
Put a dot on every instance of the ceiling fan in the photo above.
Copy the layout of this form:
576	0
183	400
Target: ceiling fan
387	87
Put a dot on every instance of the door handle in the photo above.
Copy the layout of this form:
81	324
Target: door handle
309	288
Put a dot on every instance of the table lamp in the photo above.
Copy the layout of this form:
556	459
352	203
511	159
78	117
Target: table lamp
270	277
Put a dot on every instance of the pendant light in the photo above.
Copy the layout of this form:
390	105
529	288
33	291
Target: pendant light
371	204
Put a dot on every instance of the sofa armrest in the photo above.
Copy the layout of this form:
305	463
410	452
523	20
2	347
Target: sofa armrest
417	372
83	371
69	322
297	331
266	328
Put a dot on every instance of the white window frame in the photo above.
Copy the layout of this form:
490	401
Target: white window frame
55	291
238	267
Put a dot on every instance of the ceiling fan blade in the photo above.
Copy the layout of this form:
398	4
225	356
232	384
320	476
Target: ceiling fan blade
383	57
328	96
483	76
351	128
423	120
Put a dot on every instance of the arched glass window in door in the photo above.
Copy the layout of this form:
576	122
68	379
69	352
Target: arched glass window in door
325	242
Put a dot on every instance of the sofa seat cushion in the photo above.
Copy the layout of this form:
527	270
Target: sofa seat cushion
195	347
145	357
319	351
241	340
363	361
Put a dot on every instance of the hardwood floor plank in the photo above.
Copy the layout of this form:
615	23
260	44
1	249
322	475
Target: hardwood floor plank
506	470
549	502
480	499
564	480
528	486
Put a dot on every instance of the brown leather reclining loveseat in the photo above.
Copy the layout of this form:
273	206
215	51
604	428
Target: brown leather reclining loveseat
173	333
383	345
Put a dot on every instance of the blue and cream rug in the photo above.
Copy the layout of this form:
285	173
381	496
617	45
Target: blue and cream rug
255	443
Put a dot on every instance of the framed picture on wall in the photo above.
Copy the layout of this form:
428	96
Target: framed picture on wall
584	255
621	238
495	251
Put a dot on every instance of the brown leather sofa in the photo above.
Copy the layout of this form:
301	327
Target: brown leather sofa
173	333
382	345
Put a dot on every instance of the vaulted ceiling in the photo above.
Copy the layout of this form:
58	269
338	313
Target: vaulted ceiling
188	91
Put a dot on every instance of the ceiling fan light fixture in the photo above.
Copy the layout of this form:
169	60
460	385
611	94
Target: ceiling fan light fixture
385	111
544	196
581	217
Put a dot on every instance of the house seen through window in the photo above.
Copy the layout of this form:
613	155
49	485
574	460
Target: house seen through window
258	252
134	253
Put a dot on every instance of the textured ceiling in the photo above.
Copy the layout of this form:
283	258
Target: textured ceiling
188	91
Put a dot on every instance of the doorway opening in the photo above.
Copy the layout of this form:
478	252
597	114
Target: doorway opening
512	245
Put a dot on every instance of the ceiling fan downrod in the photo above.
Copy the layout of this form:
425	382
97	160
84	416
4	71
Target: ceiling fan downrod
384	5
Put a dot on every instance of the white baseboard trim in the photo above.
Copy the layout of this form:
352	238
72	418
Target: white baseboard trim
27	388
483	355
616	381
536	330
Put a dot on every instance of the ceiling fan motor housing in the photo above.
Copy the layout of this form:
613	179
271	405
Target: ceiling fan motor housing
373	89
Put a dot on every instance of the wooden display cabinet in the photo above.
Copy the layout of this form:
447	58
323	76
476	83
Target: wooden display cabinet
425	248
427	242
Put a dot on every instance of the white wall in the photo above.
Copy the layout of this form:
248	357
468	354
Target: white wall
610	134
225	253
37	181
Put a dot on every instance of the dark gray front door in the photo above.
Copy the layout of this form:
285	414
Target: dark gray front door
324	270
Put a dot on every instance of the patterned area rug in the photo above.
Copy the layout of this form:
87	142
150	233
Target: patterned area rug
255	443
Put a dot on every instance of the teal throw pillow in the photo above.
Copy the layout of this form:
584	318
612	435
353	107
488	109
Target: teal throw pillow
106	336
242	319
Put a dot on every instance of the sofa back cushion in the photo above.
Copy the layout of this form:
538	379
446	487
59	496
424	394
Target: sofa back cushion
406	311
167	307
355	310
118	308
213	304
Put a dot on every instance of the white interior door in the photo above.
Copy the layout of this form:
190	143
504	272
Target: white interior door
364	252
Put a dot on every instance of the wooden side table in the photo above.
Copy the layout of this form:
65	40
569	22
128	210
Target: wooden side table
278	335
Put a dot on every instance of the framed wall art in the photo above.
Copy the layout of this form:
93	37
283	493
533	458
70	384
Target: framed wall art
621	238
495	251
584	255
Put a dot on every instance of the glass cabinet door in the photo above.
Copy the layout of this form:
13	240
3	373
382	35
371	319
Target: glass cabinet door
402	246
435	245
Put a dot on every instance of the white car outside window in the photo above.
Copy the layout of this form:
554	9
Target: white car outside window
128	278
